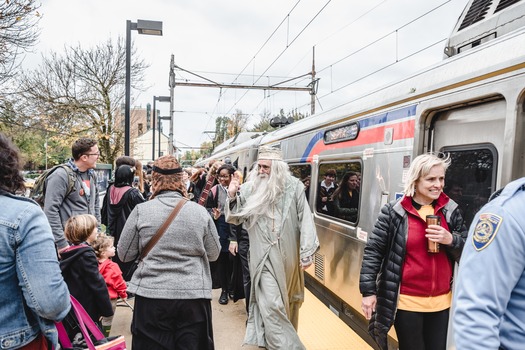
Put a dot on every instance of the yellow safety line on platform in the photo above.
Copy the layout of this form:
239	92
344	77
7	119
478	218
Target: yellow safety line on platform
321	329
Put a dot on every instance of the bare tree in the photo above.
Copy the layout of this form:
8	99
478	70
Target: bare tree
81	90
264	122
18	33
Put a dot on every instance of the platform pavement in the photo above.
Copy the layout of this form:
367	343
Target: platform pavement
319	328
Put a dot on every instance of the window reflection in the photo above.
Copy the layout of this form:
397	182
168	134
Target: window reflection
339	190
303	173
470	179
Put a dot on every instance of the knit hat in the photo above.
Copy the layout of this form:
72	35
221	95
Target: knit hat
270	153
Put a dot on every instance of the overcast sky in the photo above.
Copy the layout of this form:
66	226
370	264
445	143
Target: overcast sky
222	39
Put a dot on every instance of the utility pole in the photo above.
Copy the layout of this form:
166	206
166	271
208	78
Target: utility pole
313	91
171	142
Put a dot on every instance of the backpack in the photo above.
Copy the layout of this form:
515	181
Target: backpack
38	193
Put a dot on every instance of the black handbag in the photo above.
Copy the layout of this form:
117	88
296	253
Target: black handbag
154	239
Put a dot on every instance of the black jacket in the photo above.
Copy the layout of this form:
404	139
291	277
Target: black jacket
383	261
114	216
79	267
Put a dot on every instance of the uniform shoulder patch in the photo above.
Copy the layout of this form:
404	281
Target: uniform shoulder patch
486	230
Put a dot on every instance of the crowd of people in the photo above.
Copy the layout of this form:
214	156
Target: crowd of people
99	252
167	236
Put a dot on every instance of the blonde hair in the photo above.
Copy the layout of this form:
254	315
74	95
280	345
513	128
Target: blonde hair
101	244
79	227
420	167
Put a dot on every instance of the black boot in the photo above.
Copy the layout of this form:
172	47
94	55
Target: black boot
223	300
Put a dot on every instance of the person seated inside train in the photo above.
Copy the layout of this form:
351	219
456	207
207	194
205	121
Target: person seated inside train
346	197
327	187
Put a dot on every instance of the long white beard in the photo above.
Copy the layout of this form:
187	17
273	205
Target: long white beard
262	202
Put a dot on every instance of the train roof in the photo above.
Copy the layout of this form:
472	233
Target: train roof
236	140
484	20
488	61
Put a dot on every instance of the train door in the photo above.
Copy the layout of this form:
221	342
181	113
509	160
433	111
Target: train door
474	137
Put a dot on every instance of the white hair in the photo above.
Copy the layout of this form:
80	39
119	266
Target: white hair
266	191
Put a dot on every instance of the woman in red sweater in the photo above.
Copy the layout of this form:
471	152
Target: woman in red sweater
402	282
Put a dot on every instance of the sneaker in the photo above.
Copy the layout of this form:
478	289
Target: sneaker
223	300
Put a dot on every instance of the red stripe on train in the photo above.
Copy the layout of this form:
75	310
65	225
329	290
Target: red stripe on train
370	136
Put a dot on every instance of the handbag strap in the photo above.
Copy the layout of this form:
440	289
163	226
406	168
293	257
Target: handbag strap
162	229
84	322
63	338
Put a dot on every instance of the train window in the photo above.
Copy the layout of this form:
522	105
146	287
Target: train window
302	172
338	191
471	178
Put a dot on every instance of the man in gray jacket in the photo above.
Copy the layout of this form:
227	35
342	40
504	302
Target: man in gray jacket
60	203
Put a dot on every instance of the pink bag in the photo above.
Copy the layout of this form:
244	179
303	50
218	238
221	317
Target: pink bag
86	323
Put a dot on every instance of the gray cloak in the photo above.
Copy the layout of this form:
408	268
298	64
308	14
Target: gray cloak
276	247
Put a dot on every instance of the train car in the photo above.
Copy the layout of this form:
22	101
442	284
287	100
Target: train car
470	106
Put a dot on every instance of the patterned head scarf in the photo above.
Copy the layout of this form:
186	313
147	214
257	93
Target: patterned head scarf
167	176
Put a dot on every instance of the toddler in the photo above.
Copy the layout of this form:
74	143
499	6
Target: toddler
105	250
79	267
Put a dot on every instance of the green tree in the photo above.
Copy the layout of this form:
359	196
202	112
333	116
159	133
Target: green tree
221	129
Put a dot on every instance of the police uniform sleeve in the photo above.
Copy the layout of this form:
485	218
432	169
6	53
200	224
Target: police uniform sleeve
492	263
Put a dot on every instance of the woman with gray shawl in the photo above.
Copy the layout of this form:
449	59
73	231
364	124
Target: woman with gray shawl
172	284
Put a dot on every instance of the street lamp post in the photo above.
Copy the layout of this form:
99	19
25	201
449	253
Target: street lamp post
143	27
171	142
161	119
155	99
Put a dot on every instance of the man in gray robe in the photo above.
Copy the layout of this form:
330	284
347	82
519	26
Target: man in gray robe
273	208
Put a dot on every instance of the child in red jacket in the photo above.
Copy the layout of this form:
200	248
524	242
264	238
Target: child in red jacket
105	250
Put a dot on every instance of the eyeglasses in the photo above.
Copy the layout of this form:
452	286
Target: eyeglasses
92	154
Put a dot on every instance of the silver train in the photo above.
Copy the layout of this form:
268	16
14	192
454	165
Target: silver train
470	105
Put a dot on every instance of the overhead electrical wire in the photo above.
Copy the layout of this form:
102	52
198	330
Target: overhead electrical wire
268	95
370	44
254	56
282	52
